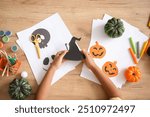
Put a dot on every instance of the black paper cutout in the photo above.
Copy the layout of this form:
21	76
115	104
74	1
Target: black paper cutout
46	35
74	53
46	61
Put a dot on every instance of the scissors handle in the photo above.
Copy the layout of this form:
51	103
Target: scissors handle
36	42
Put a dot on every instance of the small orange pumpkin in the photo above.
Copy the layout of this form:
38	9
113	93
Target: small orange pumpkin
133	74
97	51
110	69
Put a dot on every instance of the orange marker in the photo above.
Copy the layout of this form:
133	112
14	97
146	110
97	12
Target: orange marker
133	56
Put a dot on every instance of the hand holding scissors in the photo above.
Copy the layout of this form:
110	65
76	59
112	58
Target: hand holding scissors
36	39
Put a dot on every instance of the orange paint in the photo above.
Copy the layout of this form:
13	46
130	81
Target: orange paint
3	62
1	45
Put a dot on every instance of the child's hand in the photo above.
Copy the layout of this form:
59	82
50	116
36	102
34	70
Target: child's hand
88	60
58	60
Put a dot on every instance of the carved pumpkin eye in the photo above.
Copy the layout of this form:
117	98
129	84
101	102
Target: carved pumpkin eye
97	51
100	48
110	69
95	48
114	69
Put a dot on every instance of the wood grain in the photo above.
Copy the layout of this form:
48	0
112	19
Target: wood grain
17	15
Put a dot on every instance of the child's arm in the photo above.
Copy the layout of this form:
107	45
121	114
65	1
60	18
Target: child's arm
42	92
108	86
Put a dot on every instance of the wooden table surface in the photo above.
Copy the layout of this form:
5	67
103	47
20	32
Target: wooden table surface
17	15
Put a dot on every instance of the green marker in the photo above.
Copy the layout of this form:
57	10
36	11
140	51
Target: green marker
5	39
132	45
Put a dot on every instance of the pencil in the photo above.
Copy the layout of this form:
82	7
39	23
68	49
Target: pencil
144	48
133	56
138	49
132	45
147	45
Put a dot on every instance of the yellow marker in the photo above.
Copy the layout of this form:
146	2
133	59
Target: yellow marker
148	24
36	39
143	49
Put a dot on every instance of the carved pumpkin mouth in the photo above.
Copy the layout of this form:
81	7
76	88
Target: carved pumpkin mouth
45	69
98	54
107	71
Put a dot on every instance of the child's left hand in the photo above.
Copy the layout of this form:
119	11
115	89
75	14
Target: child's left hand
58	60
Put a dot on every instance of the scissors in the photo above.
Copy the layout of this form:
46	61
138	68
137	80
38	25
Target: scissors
36	39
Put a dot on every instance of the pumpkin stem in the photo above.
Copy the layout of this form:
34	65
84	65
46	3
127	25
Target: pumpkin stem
133	74
97	43
115	62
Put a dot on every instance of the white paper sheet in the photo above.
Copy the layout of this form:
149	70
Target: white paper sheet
116	49
59	36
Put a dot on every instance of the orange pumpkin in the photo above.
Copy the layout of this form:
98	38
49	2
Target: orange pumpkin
110	69
133	74
97	51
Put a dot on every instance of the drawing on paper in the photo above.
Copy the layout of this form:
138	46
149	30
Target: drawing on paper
97	50
110	69
45	37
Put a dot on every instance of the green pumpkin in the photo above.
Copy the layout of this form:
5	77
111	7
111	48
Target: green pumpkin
19	89
114	28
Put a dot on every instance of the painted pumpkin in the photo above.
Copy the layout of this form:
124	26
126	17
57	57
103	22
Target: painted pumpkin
114	28
19	89
133	74
97	51
110	69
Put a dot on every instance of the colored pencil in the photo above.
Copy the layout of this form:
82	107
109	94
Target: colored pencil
143	48
133	56
138	49
148	45
132	45
148	24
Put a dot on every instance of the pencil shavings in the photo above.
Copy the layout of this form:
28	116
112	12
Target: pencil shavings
7	67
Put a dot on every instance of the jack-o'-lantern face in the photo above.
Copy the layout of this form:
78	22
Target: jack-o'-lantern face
110	69
97	51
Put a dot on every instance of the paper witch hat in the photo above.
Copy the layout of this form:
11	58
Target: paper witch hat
74	53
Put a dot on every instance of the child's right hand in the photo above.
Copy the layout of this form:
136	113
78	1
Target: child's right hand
88	60
58	60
